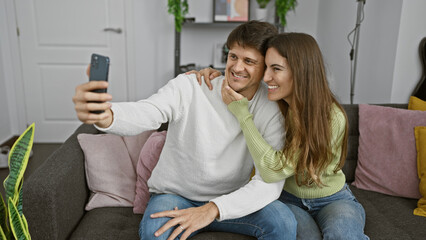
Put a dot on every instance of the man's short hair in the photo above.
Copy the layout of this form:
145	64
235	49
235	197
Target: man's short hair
251	34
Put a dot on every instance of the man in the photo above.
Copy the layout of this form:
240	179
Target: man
202	179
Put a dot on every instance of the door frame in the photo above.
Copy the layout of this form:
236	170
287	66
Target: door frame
15	84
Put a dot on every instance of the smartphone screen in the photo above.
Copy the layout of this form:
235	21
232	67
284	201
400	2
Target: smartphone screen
99	67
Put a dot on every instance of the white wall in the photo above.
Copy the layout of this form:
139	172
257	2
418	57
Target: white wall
335	47
376	52
408	68
304	18
153	46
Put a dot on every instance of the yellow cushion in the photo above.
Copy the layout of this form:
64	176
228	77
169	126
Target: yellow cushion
420	133
416	103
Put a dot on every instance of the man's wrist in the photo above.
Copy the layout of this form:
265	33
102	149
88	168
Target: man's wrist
106	122
212	207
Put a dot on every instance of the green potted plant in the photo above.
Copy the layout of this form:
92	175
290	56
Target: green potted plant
261	12
16	227
282	7
179	8
262	3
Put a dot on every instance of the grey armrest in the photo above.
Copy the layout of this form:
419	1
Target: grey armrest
55	194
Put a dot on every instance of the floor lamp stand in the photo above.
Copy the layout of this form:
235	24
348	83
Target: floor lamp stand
354	51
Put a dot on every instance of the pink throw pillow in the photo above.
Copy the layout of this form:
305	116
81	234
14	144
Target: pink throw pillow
110	168
135	143
148	159
387	150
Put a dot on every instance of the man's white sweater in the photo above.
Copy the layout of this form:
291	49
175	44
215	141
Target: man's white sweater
205	157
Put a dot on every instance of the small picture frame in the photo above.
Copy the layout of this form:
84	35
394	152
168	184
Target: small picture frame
220	53
231	10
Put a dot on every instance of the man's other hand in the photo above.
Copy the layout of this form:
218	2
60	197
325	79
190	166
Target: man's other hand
187	221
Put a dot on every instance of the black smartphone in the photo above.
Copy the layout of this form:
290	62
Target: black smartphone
99	68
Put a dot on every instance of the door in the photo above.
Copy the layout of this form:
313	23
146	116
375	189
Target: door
57	38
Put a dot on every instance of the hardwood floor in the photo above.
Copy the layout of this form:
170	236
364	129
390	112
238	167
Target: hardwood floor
41	151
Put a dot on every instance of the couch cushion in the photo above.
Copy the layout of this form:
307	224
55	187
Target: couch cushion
109	170
121	223
420	133
387	151
108	223
148	159
110	165
353	134
416	103
353	119
135	143
389	217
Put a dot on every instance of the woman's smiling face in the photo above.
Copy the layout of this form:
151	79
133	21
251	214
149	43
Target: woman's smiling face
278	76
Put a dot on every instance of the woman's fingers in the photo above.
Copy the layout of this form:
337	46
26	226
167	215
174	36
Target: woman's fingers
210	75
207	73
215	75
228	94
191	72
233	94
199	80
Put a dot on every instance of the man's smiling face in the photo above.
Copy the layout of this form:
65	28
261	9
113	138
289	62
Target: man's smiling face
244	69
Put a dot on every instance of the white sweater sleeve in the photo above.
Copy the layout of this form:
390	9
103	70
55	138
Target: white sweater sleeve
252	197
132	118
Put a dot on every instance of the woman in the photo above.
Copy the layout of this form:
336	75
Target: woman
316	140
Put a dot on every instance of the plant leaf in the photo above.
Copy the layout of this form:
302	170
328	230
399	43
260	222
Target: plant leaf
2	235
16	223
26	230
179	8
20	211
3	218
282	7
262	3
20	197
18	160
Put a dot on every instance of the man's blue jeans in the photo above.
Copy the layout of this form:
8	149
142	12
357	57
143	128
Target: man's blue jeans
339	216
274	222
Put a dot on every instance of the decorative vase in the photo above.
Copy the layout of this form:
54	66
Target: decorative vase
261	14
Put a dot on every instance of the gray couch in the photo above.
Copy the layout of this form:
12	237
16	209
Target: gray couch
55	196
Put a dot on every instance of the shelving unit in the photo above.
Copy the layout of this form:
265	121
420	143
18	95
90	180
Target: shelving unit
204	25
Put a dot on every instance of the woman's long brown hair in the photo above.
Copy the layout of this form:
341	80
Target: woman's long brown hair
308	118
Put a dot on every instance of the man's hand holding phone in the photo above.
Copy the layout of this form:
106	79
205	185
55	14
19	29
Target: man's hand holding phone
85	101
91	100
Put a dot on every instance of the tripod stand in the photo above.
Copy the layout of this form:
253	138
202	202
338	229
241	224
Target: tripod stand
354	44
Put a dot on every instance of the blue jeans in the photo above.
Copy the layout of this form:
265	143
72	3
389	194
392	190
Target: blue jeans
339	216
274	222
